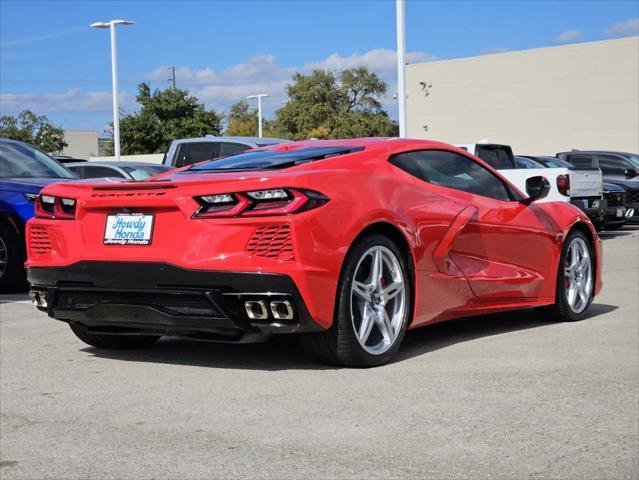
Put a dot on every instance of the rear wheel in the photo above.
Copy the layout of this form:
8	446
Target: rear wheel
113	342
373	308
575	280
12	274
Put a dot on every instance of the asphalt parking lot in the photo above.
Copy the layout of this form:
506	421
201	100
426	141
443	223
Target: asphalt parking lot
505	396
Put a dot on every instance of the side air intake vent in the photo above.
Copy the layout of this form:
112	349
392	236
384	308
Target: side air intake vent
272	241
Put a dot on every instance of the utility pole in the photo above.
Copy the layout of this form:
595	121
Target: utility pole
114	79
172	79
259	111
401	67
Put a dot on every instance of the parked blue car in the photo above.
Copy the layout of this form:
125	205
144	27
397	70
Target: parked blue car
24	171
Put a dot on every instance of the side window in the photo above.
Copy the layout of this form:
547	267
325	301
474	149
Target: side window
101	172
227	149
449	169
193	152
613	165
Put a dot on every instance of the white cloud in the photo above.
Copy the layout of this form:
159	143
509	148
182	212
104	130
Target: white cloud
491	51
623	29
72	101
569	36
217	89
262	74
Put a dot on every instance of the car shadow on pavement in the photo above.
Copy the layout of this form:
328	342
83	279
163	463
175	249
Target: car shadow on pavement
282	352
622	232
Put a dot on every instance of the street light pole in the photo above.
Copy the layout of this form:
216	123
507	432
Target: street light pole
114	79
259	111
401	66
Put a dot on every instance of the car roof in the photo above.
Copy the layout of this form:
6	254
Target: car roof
250	141
118	164
614	152
16	142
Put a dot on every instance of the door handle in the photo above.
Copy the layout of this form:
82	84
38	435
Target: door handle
440	254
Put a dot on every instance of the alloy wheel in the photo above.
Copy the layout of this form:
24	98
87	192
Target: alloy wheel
578	281
378	300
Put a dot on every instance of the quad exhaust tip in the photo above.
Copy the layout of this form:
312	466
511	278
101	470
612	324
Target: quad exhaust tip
279	310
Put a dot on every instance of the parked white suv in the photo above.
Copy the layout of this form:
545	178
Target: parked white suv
582	186
187	151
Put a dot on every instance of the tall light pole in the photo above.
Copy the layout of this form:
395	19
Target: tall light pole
259	111
401	66
114	79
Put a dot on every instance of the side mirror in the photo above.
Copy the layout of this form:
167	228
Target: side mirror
630	172
536	188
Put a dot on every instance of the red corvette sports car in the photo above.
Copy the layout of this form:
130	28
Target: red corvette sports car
347	243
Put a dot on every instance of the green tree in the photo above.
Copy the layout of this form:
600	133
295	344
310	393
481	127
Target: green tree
34	129
328	105
242	120
164	116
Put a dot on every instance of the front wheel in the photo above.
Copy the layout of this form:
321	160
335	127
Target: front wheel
575	280
373	307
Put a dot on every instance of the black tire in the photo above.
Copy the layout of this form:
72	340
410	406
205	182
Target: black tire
339	345
113	342
12	257
561	311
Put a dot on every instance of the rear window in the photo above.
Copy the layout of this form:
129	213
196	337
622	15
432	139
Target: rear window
271	159
189	153
497	156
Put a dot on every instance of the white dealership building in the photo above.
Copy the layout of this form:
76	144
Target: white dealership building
540	101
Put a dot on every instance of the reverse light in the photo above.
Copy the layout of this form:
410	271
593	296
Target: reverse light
275	194
276	201
60	208
563	185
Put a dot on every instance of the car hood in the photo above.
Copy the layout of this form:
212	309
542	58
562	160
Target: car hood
627	183
28	185
611	187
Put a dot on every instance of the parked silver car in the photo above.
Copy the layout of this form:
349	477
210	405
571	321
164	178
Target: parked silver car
128	170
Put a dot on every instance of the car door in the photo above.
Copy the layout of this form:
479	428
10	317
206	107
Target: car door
501	245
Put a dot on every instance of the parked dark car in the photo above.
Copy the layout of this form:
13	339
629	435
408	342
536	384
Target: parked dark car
24	170
128	170
620	168
547	161
617	210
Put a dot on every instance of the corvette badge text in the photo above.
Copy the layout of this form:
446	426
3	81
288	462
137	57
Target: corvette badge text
128	229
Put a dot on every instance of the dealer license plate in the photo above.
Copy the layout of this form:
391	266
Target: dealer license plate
128	229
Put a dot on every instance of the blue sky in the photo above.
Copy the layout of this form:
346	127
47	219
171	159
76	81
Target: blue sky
53	63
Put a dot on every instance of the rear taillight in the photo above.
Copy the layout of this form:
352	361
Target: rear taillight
60	208
563	185
276	201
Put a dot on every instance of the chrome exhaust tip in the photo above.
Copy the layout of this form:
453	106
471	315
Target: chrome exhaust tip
282	310
256	309
39	299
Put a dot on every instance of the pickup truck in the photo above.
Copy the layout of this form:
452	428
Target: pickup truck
187	151
580	185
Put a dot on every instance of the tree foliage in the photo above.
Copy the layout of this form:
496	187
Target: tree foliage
328	105
33	129
164	116
242	120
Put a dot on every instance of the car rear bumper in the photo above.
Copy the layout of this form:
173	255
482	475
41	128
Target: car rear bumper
594	207
150	297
